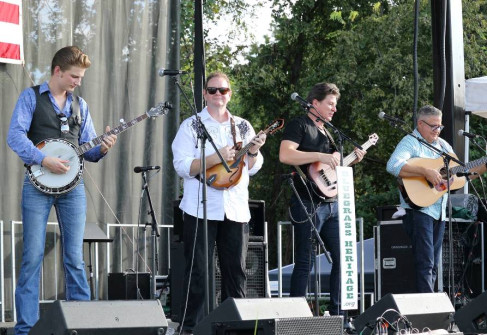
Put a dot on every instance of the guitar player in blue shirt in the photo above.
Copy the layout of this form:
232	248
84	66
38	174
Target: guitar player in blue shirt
425	206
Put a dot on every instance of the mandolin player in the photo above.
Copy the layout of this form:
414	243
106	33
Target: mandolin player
228	210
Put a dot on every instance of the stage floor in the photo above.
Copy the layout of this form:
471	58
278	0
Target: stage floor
7	328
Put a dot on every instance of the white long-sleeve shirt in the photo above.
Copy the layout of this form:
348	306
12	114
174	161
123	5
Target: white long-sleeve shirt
186	147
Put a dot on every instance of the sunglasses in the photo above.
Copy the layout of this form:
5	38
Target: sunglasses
434	127
222	90
64	123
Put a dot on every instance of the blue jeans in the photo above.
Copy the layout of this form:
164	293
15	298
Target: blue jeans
71	215
231	239
326	222
426	235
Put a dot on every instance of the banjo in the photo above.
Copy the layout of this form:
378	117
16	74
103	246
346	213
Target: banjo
56	184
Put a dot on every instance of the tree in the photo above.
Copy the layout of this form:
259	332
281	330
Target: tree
365	48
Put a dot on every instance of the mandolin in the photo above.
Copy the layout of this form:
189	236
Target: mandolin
217	176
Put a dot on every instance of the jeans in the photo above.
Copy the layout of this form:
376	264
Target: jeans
231	239
71	215
426	235
326	222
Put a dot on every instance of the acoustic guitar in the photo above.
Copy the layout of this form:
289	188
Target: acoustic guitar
419	192
217	176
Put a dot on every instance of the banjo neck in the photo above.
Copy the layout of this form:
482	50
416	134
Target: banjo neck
115	131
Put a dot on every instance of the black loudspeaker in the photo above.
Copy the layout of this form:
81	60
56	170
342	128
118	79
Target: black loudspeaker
137	317
257	218
472	319
255	270
432	310
176	278
125	286
385	213
254	309
177	220
394	259
326	325
256	223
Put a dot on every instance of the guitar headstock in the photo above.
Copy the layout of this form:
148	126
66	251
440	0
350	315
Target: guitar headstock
373	138
160	109
274	126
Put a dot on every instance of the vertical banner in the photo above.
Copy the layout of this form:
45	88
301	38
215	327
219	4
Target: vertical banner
11	37
348	238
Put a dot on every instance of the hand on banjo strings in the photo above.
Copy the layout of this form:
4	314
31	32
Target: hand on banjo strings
56	165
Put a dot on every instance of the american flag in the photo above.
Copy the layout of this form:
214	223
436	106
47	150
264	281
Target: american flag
11	37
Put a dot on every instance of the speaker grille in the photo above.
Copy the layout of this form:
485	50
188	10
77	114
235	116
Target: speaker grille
327	325
255	270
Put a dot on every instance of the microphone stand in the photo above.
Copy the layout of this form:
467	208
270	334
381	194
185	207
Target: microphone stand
340	137
316	233
154	234
446	159
203	136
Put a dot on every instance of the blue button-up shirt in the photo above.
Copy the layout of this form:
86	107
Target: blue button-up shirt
409	147
22	117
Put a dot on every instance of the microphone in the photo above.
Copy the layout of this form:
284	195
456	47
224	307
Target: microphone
466	174
394	119
295	96
139	169
461	132
164	72
288	175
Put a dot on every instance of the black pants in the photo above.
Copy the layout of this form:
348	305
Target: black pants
232	241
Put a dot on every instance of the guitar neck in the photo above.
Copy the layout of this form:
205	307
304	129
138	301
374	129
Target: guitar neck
117	130
353	156
246	148
469	165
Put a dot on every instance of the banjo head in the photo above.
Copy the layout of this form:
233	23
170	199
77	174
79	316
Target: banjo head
52	183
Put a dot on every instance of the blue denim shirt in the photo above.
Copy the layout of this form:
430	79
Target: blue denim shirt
409	147
22	117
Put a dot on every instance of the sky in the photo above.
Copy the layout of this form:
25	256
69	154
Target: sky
260	24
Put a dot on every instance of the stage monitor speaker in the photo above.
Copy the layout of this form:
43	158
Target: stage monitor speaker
137	317
394	259
472	319
128	286
323	325
254	309
432	310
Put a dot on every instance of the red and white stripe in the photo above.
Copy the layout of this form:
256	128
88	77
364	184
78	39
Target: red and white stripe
11	38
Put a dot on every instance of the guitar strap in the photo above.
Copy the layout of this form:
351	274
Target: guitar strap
330	138
76	110
234	133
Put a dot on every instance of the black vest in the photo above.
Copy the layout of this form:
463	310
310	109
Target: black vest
46	124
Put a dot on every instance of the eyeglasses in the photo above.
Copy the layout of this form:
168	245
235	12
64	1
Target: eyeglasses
433	127
222	90
64	123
